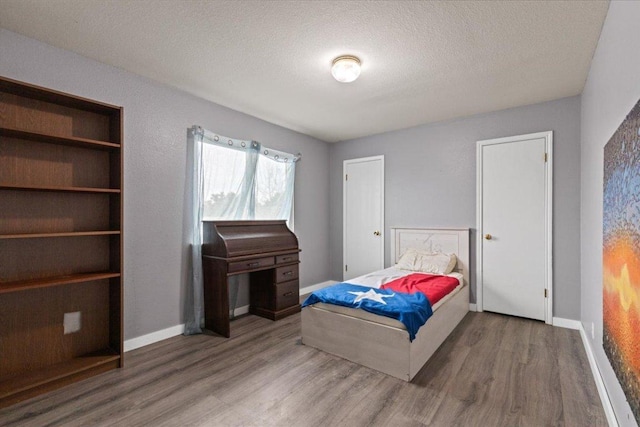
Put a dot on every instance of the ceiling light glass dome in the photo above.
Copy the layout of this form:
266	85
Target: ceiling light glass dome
345	69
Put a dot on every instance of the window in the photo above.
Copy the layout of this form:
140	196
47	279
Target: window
243	180
232	179
274	190
223	171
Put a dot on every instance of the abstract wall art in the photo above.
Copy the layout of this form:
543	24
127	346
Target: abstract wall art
621	256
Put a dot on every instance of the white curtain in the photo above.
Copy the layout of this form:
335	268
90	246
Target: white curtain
229	169
233	180
274	185
194	310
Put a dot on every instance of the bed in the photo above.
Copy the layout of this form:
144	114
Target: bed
382	343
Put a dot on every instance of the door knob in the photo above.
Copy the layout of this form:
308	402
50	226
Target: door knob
488	236
376	233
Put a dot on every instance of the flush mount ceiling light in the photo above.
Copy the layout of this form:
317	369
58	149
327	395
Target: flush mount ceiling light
345	69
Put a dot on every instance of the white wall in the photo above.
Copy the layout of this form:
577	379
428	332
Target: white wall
612	88
430	181
156	118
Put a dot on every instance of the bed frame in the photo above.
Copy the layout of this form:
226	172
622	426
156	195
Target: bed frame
387	348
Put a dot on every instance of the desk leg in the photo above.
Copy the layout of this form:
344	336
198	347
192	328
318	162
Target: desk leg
216	296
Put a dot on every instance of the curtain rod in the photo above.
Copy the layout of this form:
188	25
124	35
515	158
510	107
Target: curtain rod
239	144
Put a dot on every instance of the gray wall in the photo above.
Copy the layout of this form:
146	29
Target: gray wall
613	87
156	119
430	180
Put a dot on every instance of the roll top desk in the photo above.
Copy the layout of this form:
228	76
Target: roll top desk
268	251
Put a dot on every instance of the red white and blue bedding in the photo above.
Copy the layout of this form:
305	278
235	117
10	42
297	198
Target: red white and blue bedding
412	310
433	286
407	298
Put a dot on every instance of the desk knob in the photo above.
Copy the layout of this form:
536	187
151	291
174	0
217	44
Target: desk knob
376	233
488	236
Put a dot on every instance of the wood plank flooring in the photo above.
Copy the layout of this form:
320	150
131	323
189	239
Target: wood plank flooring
492	371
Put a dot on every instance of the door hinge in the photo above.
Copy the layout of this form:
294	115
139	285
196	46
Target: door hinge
546	156
346	177
346	267
546	293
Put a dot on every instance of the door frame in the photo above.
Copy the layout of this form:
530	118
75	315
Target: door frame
548	136
344	207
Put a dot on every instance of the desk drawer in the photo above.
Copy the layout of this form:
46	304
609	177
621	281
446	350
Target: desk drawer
284	274
287	294
252	264
283	259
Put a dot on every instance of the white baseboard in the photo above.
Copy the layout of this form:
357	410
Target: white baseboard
602	390
317	286
473	307
153	337
239	311
173	331
567	323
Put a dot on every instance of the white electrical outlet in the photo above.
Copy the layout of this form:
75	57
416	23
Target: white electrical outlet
71	322
593	331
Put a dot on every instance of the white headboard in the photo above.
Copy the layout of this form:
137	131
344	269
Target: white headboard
447	240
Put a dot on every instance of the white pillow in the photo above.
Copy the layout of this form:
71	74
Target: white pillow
426	262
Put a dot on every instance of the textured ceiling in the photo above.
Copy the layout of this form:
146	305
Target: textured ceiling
421	61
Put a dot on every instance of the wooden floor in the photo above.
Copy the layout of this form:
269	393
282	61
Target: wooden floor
492	371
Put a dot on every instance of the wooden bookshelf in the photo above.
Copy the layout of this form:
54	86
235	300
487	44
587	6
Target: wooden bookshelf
54	188
22	135
60	238
67	234
24	285
20	387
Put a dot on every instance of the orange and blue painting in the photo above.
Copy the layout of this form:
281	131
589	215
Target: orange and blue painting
621	256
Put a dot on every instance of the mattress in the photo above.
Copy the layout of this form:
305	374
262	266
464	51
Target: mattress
375	280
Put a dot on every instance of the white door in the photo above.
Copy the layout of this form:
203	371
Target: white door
514	242
363	216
